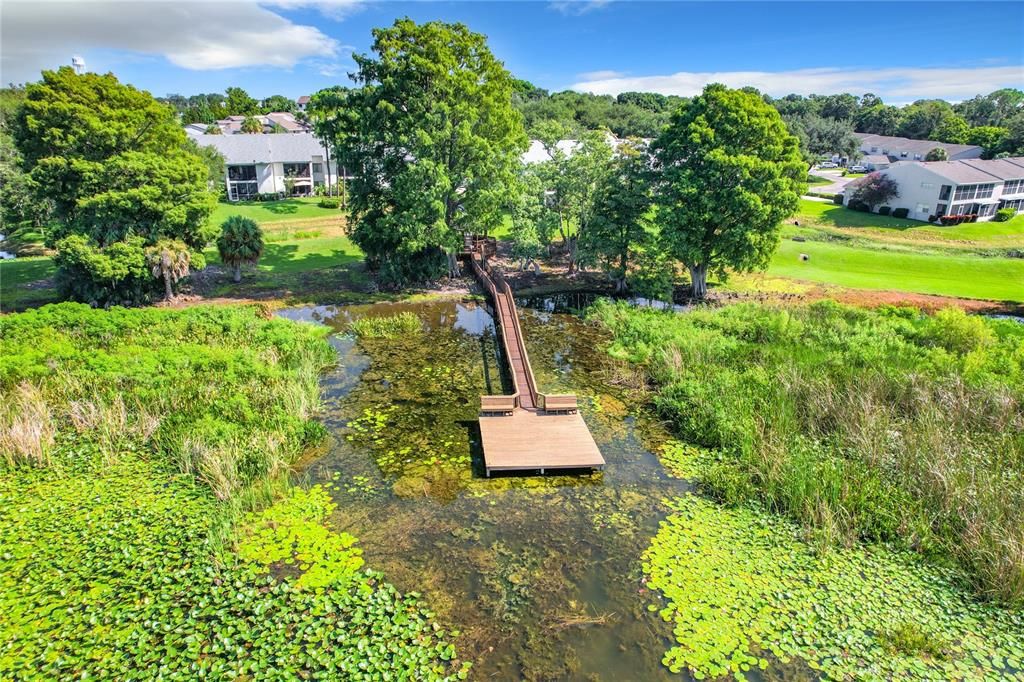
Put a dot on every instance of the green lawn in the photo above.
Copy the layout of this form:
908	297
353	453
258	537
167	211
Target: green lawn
818	180
965	276
16	278
302	255
272	211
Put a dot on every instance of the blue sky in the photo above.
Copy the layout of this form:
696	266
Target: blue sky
902	51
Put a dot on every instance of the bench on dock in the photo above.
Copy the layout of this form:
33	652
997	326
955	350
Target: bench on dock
560	403
497	404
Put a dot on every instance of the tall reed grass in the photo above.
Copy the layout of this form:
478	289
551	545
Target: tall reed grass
886	425
218	393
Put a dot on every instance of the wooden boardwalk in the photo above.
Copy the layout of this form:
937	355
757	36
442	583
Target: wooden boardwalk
528	430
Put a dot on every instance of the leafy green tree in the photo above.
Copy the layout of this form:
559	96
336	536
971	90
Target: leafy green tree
278	103
821	136
103	276
991	138
434	145
251	125
923	118
993	109
879	120
238	103
936	154
213	160
653	277
840	107
619	225
728	173
1013	144
20	202
581	174
534	223
169	260
330	115
240	243
953	129
213	129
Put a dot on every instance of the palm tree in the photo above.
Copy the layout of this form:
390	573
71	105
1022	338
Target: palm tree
170	259
240	243
251	124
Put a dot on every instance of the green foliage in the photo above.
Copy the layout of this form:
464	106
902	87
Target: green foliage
394	326
926	118
882	425
329	202
103	276
1004	214
820	136
218	392
237	102
434	144
953	129
251	125
278	103
937	154
755	591
874	189
112	159
240	243
728	173
170	260
619	227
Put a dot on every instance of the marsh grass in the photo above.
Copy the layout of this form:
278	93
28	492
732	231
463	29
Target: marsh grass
888	426
220	393
389	327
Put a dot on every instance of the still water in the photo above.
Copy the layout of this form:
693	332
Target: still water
541	575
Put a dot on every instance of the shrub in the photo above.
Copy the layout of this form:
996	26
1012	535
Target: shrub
329	202
856	205
391	327
884	210
900	212
932	218
115	275
838	199
269	196
1004	214
874	189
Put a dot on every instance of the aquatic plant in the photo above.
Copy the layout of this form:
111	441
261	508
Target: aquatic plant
881	425
108	572
741	590
389	327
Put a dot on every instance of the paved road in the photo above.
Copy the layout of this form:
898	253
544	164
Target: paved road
836	176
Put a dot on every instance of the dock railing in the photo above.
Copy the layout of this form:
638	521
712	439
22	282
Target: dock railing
496	403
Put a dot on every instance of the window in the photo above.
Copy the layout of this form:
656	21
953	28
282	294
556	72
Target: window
296	170
318	168
944	192
940	210
903	155
1013	187
242	191
874	150
922	208
986	210
1015	204
962	209
974	191
241	173
917	157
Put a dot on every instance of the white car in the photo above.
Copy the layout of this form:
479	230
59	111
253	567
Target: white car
828	164
857	169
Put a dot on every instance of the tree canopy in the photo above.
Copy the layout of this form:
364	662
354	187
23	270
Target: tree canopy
434	144
728	172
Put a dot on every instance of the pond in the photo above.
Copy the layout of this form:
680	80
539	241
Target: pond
591	576
541	575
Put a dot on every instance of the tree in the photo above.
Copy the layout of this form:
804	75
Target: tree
330	115
169	260
922	118
434	145
238	103
822	136
534	223
874	189
879	120
582	173
619	225
213	129
993	109
278	103
115	164
936	154
240	243
251	125
727	173
953	130
991	138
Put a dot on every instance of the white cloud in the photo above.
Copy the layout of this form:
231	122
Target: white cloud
577	7
193	35
600	75
892	84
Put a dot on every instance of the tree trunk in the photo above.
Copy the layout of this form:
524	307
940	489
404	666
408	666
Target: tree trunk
237	274
168	289
453	265
699	281
572	254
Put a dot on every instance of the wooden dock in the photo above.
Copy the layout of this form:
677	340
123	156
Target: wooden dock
527	430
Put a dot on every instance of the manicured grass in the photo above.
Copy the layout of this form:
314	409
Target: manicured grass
302	255
818	180
17	278
273	211
966	276
832	215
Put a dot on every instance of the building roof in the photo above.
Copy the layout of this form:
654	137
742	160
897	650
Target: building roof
876	159
904	144
304	99
971	171
264	148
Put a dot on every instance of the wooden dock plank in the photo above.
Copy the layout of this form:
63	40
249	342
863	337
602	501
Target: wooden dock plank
531	440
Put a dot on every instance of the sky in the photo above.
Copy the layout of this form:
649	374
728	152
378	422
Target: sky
899	51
